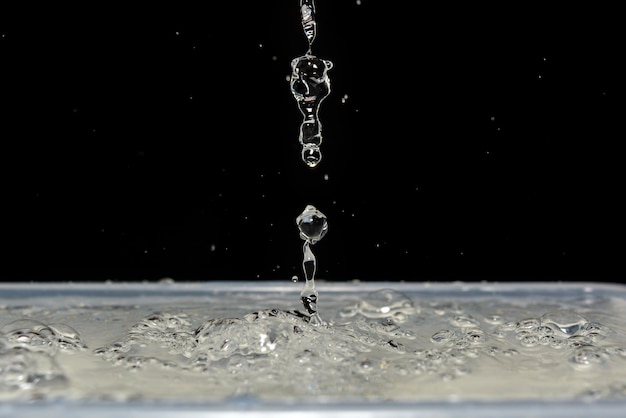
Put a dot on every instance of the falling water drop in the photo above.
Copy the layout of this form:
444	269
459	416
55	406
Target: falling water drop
310	84
313	226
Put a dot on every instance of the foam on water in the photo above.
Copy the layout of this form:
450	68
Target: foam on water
382	345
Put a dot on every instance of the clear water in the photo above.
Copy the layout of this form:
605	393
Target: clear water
313	225
307	15
310	85
375	345
380	345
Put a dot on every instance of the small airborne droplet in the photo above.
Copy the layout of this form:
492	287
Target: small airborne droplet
294	279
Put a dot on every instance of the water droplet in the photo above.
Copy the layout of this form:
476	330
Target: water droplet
475	336
294	279
310	85
67	338
313	224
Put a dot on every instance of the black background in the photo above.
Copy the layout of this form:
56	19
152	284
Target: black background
460	143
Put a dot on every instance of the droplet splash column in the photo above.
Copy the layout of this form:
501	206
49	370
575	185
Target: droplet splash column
313	226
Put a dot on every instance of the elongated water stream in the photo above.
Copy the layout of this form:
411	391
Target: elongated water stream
310	85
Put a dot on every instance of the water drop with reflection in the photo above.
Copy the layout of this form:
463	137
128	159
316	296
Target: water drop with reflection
310	85
313	226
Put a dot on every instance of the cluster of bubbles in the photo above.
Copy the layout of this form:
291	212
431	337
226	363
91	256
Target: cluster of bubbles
372	340
172	332
27	353
565	330
273	346
378	345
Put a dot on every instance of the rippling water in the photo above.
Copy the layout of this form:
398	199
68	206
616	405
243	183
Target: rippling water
381	343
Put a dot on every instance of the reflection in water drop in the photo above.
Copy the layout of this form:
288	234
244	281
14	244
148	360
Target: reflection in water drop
313	226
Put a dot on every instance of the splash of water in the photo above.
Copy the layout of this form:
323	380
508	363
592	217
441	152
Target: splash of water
313	226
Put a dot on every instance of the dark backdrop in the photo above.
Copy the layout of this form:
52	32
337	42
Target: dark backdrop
473	143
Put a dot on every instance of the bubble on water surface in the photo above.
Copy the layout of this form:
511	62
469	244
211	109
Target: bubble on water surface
307	15
443	336
31	334
384	303
565	322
